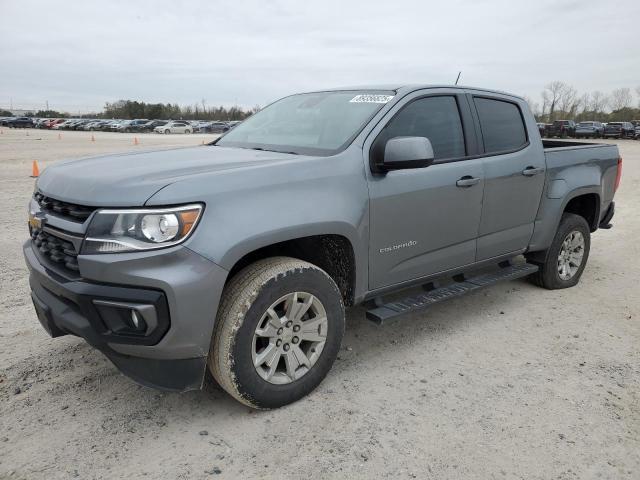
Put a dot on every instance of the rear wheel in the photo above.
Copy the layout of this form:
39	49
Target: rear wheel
167	132
278	331
567	256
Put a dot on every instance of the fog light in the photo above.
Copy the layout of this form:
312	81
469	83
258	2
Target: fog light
122	318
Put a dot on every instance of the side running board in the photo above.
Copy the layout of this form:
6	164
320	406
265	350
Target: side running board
383	312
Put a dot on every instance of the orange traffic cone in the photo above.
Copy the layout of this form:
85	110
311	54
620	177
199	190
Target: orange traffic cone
35	171
135	140
93	139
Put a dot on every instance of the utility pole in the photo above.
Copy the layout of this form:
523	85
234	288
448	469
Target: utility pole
47	106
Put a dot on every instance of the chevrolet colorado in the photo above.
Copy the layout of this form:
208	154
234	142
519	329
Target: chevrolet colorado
241	256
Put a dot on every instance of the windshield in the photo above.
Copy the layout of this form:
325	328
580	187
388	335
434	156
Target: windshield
321	123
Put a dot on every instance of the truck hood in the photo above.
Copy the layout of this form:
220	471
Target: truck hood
130	179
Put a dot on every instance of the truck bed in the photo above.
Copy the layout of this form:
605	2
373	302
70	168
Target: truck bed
549	144
560	153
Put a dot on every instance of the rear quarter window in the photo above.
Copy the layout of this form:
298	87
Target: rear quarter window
501	124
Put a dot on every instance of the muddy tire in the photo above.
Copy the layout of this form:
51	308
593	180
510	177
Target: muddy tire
278	331
567	256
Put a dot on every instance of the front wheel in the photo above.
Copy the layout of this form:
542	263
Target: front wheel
278	331
167	132
567	256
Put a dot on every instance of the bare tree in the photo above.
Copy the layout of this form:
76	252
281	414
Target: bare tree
638	93
599	102
621	98
551	96
568	102
584	102
534	106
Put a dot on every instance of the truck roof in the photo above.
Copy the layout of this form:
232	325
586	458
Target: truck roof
407	88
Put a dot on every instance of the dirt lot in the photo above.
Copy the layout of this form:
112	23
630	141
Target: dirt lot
511	382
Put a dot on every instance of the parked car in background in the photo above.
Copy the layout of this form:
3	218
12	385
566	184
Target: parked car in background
197	126
214	127
80	125
562	129
20	122
130	125
636	136
115	126
234	123
145	125
93	125
55	122
174	126
59	125
106	127
589	130
619	130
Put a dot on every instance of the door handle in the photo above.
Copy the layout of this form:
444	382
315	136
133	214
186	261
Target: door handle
467	181
531	171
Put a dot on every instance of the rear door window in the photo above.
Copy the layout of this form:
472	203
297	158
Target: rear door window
502	125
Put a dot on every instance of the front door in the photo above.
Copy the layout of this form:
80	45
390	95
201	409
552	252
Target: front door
425	220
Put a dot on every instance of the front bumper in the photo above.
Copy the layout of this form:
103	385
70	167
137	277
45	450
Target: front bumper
182	286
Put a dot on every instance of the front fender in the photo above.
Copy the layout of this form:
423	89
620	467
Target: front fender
255	207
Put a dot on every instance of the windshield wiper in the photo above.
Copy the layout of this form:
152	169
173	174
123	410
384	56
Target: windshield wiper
276	151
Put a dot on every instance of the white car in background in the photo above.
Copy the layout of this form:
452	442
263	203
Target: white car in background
174	126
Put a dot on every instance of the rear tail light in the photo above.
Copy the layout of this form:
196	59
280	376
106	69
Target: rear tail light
618	175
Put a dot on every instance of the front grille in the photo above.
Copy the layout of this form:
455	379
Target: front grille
55	249
70	211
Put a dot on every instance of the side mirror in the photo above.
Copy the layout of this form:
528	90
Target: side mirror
407	152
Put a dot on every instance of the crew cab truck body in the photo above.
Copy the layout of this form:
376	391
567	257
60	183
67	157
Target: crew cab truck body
242	255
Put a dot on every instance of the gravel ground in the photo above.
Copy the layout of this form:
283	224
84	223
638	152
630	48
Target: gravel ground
510	382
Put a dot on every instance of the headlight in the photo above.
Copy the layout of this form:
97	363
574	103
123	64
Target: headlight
116	231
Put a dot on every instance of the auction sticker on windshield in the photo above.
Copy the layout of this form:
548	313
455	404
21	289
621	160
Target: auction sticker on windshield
371	99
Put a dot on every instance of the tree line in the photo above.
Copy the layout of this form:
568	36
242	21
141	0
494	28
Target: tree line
131	109
559	100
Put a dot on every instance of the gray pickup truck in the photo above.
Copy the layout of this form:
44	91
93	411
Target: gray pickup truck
242	255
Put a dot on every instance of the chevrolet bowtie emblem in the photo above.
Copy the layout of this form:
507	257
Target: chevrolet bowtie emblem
35	220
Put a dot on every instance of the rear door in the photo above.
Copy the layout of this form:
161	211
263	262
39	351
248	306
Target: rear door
424	220
514	169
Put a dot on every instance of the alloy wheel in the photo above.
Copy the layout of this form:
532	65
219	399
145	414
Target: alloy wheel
289	338
571	254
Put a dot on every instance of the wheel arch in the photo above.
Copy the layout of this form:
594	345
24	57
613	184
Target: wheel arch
583	201
334	253
587	205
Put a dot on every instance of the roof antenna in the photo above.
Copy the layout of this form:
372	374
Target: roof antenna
459	73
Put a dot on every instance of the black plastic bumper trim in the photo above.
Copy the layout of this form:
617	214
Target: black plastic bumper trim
66	307
71	299
605	223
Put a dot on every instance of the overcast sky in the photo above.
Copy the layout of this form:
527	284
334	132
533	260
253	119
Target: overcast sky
79	54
